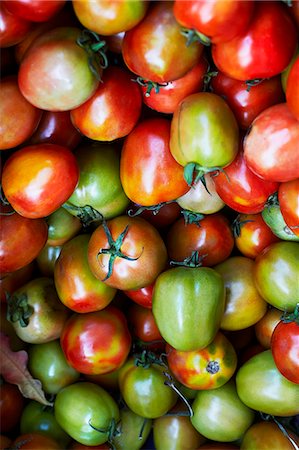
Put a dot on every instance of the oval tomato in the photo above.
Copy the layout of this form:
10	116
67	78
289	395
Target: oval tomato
262	435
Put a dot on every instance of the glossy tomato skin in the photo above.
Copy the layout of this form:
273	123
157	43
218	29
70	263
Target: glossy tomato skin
97	342
152	48
38	179
285	349
268	436
113	110
142	323
76	286
219	21
276	272
82	406
241	189
55	59
292	89
19	118
141	241
265	326
142	296
211	237
248	102
271	146
47	258
268	43
188	304
34	10
13	29
62	227
134	430
35	441
11	406
151	175
261	387
288	198
208	368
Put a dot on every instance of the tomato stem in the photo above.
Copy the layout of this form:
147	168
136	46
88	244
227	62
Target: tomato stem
268	417
171	384
237	225
291	317
253	82
86	214
192	217
149	85
95	49
154	208
193	173
194	260
18	309
192	35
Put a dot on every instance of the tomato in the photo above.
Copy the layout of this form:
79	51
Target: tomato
220	415
56	128
285	348
196	122
288	197
62	227
292	89
218	446
265	326
11	406
86	412
13	29
246	101
207	368
241	189
264	49
108	18
134	430
97	342
271	146
267	436
108	381
113	110
38	179
188	304
99	183
47	258
35	441
274	219
161	215
142	323
37	314
77	446
152	48
34	10
211	237
165	98
144	390
47	363
126	253
55	61
252	234
276	272
151	175
244	306
76	286
7	329
218	21
16	230
37	418
19	118
141	296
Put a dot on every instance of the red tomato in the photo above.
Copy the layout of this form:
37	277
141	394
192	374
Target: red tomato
211	237
143	324
153	48
292	89
19	118
34	10
38	179
97	342
248	102
288	197
12	404
113	110
241	189
151	175
13	29
142	296
264	49
219	21
271	147
162	216
265	326
35	441
14	280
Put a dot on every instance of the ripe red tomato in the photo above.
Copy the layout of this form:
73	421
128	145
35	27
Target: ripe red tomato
288	197
13	29
143	324
34	10
292	89
142	296
35	441
11	406
38	179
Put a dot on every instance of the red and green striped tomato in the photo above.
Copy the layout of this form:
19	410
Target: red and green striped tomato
208	368
97	342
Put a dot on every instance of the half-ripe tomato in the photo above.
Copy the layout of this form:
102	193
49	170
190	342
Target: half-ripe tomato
76	286
265	326
55	61
62	226
154	46
271	146
268	435
210	237
113	110
134	431
207	368
96	342
13	29
264	49
246	101
34	10
292	89
151	175
126	253
38	179
218	21
288	197
19	118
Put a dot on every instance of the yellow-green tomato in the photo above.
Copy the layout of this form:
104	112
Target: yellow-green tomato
267	436
220	415
134	431
188	304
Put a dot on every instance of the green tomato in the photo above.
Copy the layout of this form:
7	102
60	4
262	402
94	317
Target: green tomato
134	431
48	364
276	274
261	386
188	304
37	418
220	415
86	412
274	219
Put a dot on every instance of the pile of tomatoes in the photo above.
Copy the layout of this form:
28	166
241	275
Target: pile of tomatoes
150	223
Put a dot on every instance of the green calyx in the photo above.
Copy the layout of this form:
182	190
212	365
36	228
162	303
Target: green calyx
19	310
192	35
193	173
291	317
253	82
150	85
95	49
193	261
154	208
113	430
86	214
237	225
192	217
